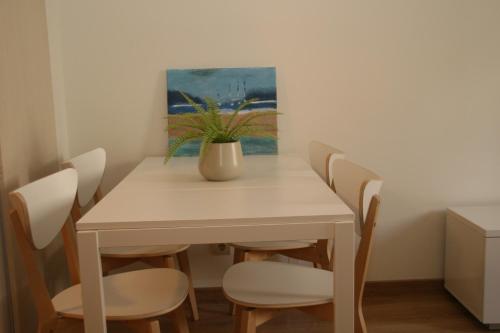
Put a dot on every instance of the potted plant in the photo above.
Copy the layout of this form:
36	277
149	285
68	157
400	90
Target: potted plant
221	155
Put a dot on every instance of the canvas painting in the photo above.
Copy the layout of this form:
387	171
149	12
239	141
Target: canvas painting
229	87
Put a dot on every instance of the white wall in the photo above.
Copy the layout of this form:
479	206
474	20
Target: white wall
28	147
407	88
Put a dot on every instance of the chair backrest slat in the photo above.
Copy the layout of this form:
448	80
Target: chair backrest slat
44	205
321	157
90	167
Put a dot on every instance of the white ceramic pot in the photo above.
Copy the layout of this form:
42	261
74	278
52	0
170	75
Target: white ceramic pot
222	161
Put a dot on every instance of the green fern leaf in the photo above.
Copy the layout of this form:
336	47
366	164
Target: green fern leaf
179	141
235	113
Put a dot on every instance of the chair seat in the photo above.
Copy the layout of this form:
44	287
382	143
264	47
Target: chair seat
130	296
142	251
268	284
274	246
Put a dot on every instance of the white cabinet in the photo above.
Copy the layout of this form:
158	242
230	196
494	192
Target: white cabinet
472	262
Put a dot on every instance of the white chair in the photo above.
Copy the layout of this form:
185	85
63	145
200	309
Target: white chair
90	167
40	211
261	289
321	157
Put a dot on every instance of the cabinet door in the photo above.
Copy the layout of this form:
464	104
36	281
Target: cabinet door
464	264
492	282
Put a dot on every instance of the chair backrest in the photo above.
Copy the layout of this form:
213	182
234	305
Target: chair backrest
321	157
90	167
40	211
359	188
45	205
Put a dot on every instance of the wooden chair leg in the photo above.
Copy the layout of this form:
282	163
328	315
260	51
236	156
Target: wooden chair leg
322	254
232	309
179	320
169	262
237	318
145	326
248	321
359	322
239	256
153	327
186	269
332	262
105	267
325	264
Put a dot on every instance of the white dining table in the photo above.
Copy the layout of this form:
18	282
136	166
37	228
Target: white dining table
278	197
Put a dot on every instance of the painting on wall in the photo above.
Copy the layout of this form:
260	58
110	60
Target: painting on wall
229	87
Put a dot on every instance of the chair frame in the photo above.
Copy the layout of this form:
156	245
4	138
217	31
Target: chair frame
48	319
163	261
249	318
319	253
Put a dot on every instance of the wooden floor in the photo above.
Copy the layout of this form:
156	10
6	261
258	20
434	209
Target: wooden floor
389	308
425	308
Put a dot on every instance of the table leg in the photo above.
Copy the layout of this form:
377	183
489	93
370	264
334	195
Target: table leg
344	278
91	279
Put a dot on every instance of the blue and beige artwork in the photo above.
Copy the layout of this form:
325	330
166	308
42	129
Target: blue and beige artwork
229	87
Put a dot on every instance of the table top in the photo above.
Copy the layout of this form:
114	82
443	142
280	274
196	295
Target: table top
277	189
485	219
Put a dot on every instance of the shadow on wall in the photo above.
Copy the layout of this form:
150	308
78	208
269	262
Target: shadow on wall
409	239
155	142
115	172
